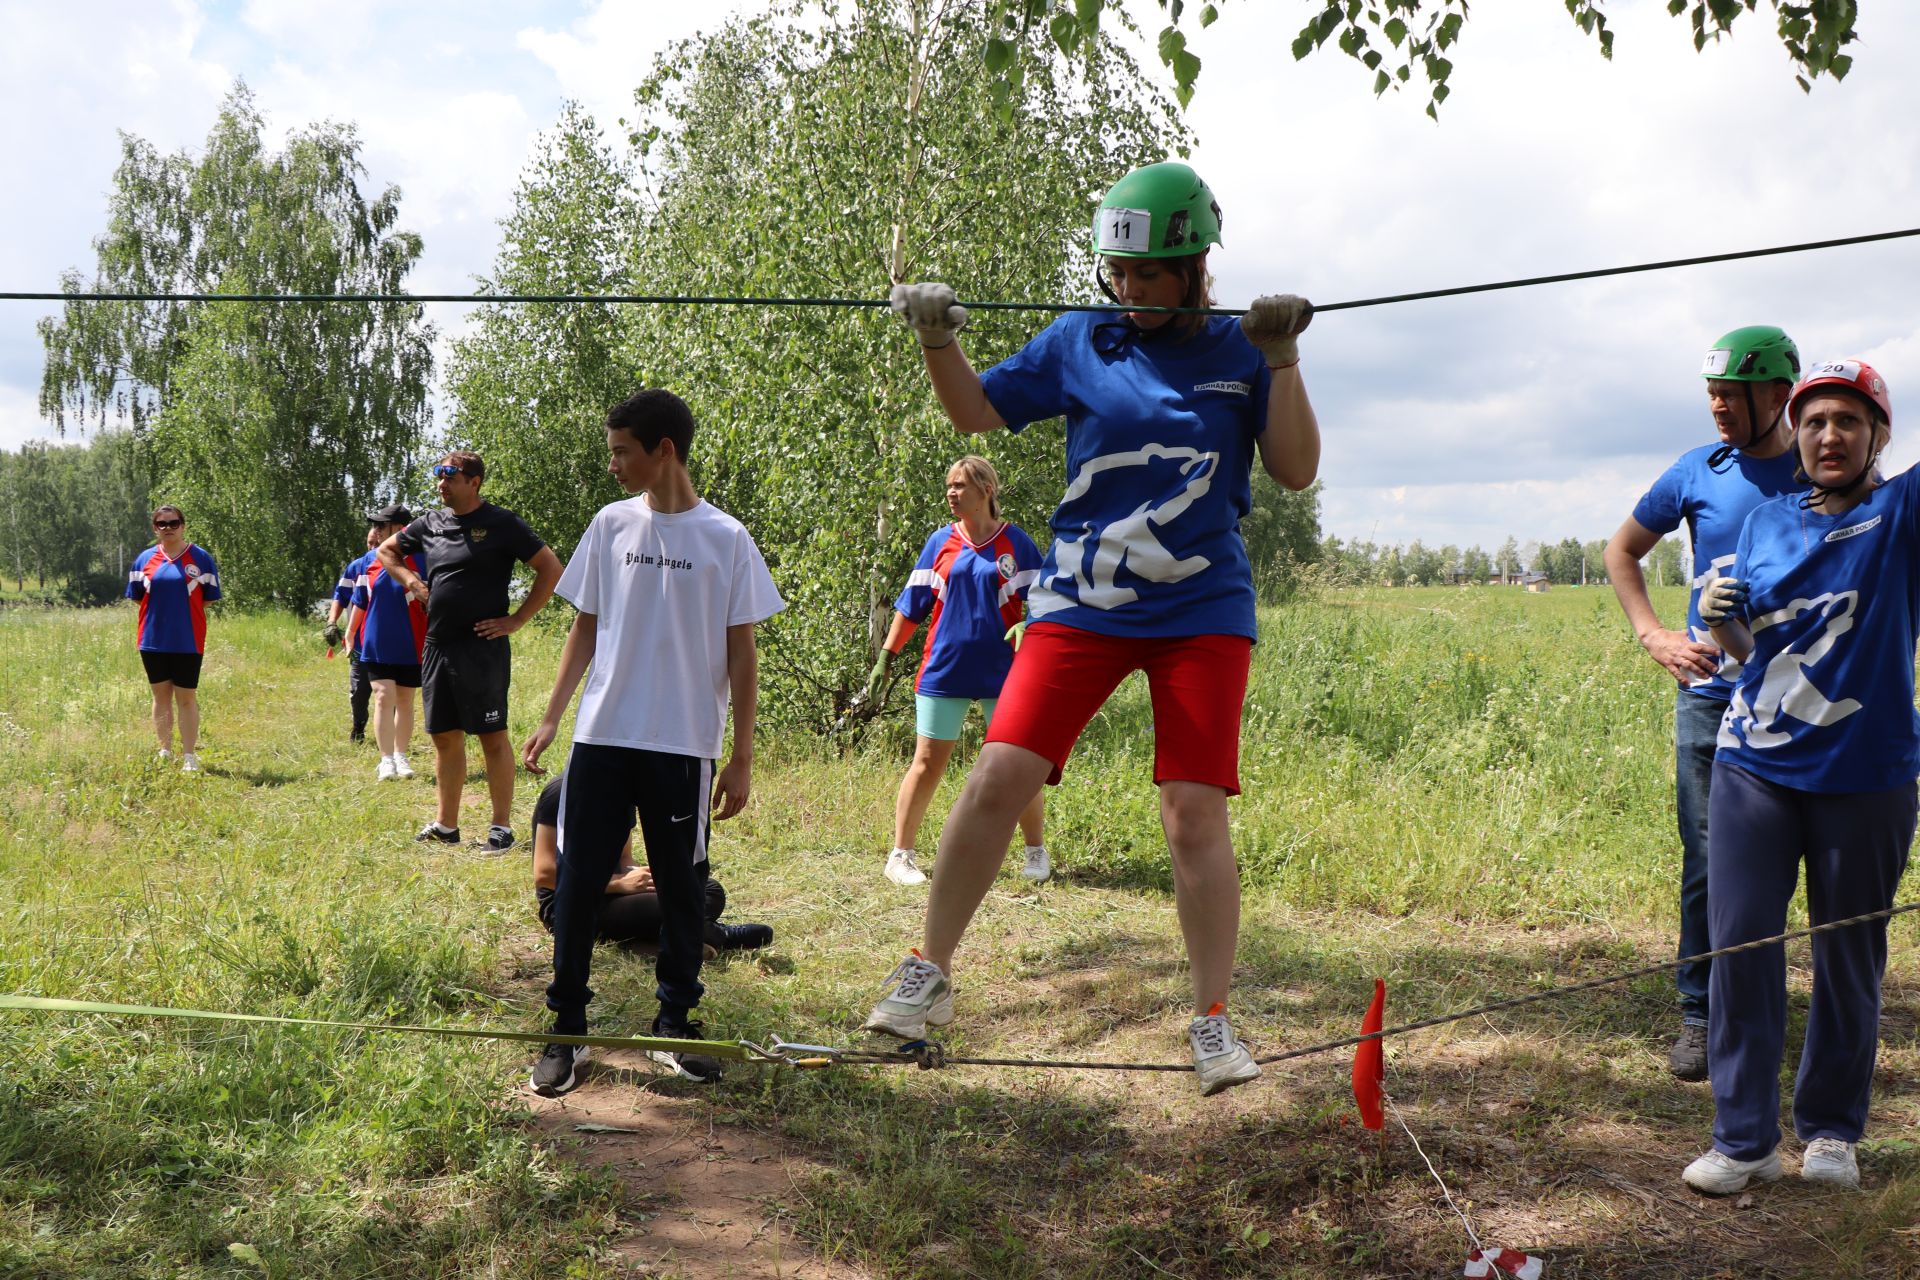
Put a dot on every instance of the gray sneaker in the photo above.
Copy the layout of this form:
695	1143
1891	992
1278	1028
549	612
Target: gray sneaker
1831	1161
1719	1174
1219	1059
1687	1059
919	997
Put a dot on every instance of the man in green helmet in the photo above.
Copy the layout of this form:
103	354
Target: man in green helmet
1749	374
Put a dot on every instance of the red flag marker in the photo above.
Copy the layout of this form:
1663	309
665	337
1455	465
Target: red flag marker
329	655
1370	1062
1491	1261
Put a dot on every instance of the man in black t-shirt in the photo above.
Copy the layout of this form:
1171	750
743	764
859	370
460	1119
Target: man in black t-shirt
469	551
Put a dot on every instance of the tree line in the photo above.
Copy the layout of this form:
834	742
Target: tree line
74	515
1362	562
804	151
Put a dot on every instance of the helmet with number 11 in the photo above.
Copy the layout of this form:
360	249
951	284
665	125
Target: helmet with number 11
1157	211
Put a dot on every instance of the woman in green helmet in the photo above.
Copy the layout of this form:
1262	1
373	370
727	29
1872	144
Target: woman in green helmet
1165	415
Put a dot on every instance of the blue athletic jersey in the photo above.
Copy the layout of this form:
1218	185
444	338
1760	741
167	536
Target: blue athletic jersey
968	595
343	589
173	596
1160	445
393	630
1825	702
1714	505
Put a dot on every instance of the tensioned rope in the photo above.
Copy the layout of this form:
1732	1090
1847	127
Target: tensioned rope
728	300
926	1054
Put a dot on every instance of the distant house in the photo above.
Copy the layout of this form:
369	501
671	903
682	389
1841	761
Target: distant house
1535	582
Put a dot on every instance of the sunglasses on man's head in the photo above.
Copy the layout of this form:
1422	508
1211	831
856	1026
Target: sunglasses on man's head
168	524
446	469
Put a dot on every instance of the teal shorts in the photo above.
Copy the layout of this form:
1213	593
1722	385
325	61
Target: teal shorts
941	718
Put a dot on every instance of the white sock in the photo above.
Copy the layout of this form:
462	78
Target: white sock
898	852
1036	848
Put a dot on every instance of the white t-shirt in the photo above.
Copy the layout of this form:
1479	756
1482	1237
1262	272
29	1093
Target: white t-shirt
664	588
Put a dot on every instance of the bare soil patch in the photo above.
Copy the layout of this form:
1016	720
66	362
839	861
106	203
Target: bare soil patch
708	1198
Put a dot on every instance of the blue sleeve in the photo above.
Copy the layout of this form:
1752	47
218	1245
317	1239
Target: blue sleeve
343	589
916	598
1662	508
1025	554
1027	386
360	596
209	574
137	585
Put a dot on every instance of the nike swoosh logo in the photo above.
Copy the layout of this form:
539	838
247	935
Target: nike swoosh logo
687	818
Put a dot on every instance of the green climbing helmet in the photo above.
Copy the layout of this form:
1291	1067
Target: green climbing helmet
1157	211
1757	353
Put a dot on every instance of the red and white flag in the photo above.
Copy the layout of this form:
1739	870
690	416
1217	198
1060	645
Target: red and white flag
1497	1262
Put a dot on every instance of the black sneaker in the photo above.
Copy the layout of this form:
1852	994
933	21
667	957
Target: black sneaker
1688	1057
739	937
558	1070
499	839
697	1067
434	833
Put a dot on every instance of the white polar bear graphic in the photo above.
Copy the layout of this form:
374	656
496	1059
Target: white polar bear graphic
1785	688
1128	541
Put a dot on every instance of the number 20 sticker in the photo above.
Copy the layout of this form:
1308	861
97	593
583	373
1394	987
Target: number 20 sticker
1123	231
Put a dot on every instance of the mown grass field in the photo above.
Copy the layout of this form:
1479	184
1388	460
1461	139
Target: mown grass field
1464	792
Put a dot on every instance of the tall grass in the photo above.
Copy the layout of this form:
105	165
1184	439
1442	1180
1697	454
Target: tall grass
1461	757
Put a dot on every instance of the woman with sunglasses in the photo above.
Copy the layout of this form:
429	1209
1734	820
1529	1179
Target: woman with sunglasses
1164	416
1816	764
173	580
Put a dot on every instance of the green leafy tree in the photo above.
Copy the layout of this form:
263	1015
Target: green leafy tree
1662	566
533	382
1477	565
1507	560
275	426
1282	534
1398	40
825	150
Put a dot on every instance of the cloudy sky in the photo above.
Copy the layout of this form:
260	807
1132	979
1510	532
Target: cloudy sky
1542	413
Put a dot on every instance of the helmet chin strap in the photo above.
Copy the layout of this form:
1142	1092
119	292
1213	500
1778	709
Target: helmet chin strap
1718	458
1816	494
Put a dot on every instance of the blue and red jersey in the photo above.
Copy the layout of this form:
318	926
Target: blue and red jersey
968	595
393	628
173	597
343	595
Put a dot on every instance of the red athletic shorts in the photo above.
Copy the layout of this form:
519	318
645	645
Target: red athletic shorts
1062	675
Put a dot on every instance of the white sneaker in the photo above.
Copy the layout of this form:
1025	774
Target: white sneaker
1719	1174
401	769
1037	866
1831	1161
920	997
163	756
189	762
1219	1059
900	868
384	773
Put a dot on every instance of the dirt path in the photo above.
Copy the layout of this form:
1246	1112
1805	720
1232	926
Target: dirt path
707	1201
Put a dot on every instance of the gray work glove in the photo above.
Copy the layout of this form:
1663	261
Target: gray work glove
930	310
1273	323
332	635
1721	599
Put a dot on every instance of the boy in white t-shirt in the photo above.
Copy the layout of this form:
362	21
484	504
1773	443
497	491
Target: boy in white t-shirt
669	589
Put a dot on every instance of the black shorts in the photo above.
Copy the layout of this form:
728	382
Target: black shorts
181	670
407	676
464	685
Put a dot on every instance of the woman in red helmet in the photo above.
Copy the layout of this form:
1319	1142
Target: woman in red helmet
1165	415
1816	764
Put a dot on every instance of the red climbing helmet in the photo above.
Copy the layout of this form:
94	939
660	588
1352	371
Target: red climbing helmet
1856	377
